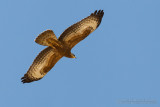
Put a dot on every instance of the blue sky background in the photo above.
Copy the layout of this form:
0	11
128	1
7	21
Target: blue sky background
117	64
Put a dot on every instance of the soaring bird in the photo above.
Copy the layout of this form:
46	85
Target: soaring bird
57	48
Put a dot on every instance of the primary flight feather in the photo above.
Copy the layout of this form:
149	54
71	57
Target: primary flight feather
57	48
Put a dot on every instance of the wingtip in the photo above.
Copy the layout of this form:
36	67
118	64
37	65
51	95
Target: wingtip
98	13
95	12
26	79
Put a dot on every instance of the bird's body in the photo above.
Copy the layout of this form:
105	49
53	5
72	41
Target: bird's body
57	48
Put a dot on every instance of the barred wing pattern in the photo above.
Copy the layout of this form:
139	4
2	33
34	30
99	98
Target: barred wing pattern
57	48
42	64
79	31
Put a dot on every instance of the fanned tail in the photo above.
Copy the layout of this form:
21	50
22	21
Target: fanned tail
48	38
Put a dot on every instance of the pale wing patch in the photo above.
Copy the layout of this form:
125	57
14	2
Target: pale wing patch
78	31
79	36
81	29
41	65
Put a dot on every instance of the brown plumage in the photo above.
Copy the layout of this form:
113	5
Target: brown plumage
57	48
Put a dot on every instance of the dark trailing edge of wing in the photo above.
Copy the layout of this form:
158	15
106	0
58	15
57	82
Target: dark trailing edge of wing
76	32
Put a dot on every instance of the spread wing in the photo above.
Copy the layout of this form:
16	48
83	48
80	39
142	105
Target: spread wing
42	64
79	31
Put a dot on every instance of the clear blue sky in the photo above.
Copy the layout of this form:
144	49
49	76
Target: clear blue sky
118	62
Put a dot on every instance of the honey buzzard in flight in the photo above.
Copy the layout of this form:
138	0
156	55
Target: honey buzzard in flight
57	48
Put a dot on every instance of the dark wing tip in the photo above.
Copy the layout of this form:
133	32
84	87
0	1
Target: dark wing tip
98	13
26	79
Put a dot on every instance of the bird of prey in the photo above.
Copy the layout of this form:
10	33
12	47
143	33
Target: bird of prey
57	48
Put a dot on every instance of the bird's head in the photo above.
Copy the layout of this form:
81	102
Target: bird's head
72	56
